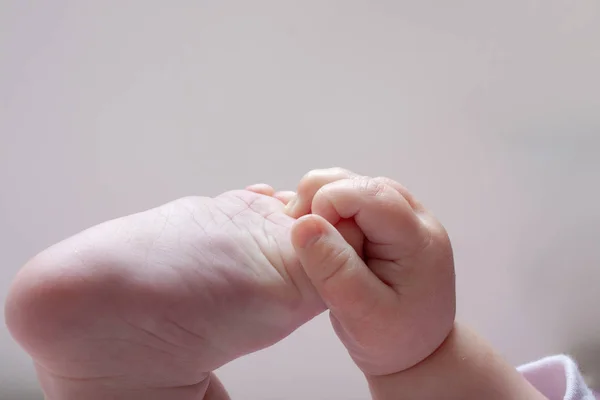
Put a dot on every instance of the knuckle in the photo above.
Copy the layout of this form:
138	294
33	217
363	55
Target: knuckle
369	186
336	260
338	256
308	181
387	181
403	190
338	171
315	179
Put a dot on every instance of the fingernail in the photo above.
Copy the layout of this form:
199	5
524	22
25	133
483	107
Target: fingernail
289	208
311	233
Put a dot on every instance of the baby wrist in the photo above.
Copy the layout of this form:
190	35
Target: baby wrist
463	367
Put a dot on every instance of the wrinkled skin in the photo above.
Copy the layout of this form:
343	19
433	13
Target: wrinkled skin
147	305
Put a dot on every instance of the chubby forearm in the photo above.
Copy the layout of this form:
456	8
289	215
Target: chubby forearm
465	367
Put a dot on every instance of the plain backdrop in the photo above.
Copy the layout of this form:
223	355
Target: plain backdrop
488	110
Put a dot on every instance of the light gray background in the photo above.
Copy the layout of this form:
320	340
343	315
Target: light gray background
488	110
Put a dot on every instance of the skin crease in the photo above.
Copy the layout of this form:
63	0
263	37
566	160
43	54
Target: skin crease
145	306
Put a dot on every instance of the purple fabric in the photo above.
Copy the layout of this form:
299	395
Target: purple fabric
558	378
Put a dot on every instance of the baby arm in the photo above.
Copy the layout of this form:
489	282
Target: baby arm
465	367
384	267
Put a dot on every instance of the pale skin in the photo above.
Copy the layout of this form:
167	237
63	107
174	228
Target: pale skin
146	306
400	275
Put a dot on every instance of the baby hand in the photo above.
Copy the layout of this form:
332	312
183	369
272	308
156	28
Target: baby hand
386	273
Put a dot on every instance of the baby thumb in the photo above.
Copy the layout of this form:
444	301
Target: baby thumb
345	283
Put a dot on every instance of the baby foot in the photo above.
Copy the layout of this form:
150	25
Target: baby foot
390	289
145	306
